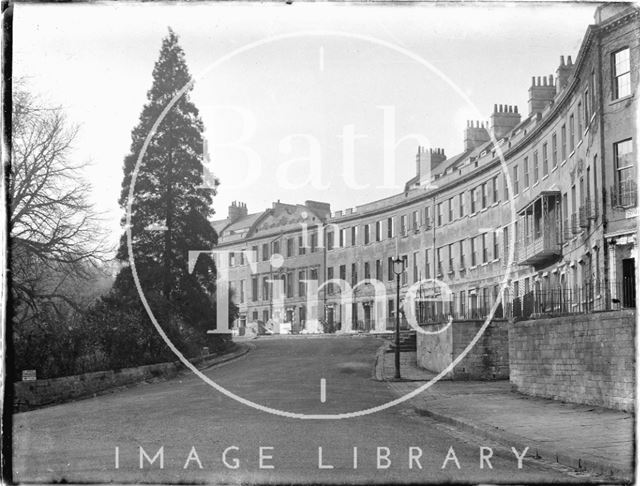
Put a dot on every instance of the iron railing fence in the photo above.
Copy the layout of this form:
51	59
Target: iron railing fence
391	323
475	313
540	303
532	305
577	300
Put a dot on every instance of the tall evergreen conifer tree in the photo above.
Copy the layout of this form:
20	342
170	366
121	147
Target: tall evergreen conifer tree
170	210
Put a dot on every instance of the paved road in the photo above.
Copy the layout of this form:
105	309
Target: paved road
77	441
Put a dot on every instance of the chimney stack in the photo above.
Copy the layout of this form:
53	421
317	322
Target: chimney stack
237	210
322	209
503	120
426	161
541	93
475	134
562	73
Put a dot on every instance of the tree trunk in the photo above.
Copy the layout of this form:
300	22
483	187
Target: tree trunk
168	223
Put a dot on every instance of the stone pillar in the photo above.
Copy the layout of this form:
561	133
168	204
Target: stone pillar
381	315
612	270
346	316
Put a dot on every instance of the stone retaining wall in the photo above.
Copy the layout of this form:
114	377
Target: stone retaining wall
34	394
585	359
487	360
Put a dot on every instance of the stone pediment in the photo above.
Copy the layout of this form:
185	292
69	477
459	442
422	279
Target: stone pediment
283	217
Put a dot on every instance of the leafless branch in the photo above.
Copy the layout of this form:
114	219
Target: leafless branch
54	231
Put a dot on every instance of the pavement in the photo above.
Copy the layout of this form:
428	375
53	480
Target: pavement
102	439
579	436
241	349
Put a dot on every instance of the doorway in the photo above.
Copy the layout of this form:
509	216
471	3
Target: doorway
367	316
628	282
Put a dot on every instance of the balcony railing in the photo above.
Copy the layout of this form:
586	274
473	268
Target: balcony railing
537	250
624	194
539	240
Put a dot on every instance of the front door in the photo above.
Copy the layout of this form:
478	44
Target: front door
628	282
330	316
367	317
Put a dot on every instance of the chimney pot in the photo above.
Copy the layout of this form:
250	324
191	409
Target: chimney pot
237	210
562	60
503	121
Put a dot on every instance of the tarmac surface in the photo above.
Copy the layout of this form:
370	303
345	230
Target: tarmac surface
188	425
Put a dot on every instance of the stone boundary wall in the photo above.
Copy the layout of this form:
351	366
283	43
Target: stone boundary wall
29	395
487	360
588	359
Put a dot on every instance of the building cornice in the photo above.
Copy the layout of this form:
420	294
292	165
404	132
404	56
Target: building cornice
566	96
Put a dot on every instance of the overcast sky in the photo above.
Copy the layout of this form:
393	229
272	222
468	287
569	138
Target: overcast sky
299	92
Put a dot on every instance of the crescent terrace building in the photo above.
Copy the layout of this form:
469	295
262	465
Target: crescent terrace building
553	186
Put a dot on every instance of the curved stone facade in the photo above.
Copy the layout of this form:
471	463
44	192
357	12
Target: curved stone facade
556	187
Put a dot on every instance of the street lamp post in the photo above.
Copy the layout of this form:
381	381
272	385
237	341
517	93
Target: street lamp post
398	268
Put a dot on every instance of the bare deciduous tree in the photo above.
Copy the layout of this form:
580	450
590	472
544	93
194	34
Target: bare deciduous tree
55	234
